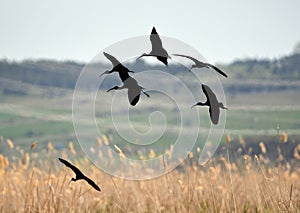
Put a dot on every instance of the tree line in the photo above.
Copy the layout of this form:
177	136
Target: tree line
64	74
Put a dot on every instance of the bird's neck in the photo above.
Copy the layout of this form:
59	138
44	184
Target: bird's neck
202	104
144	54
193	66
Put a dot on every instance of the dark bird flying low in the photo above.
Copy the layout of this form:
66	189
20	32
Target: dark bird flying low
134	90
200	64
157	48
213	104
79	174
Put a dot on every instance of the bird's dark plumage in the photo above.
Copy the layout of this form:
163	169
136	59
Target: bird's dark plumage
112	59
200	64
134	90
117	67
79	174
153	31
163	59
155	41
212	103
157	48
133	96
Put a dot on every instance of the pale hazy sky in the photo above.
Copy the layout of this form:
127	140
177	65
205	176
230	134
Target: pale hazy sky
220	30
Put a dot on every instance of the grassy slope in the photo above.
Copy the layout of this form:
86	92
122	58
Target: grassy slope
34	111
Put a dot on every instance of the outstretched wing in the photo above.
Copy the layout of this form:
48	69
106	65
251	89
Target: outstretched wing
214	113
210	95
189	57
217	69
133	96
74	168
92	183
155	41
134	90
214	109
112	59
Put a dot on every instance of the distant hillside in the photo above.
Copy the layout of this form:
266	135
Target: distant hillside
285	68
253	75
261	75
42	72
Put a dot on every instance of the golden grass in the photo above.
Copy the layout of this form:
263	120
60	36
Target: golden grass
249	185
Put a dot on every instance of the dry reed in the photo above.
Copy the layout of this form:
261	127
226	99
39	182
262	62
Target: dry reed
219	186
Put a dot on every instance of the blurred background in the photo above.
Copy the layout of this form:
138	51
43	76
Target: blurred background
45	45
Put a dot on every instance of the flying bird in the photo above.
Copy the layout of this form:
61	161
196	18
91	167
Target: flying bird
157	48
200	64
117	67
213	104
79	174
134	90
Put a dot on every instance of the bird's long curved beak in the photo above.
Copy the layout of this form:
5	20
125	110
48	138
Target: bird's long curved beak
193	106
106	72
139	57
114	88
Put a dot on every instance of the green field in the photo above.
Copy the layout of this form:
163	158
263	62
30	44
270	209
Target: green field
35	118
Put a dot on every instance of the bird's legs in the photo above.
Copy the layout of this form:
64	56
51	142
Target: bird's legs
146	94
222	106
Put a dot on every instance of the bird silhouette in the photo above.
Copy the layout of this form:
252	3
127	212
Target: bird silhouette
200	64
117	67
157	48
213	104
79	174
134	90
